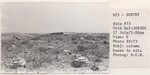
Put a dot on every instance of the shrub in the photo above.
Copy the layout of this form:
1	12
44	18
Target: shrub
105	42
94	68
78	64
101	37
42	49
74	42
81	48
59	38
92	46
75	39
90	37
98	60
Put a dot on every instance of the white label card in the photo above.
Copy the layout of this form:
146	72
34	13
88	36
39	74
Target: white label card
129	38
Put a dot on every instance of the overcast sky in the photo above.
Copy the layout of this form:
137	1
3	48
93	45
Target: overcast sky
55	17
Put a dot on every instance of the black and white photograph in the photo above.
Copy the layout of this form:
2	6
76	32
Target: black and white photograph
55	37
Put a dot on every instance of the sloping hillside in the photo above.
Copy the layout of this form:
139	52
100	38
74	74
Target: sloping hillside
55	52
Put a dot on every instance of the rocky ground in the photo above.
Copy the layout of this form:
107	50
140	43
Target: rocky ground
55	53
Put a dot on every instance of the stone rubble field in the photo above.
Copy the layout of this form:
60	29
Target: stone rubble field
55	53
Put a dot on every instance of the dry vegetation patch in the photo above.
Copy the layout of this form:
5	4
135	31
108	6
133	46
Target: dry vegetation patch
56	51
